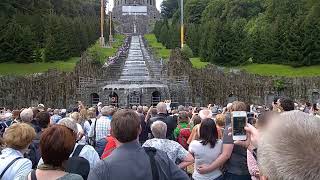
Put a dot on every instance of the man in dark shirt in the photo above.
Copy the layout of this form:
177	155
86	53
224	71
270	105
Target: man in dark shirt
164	117
130	160
143	137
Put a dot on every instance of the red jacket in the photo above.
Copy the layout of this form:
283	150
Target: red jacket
111	145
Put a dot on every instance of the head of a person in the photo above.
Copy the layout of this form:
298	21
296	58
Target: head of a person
162	108
221	120
75	116
56	145
56	112
208	132
107	111
43	119
134	108
145	109
92	113
154	112
196	120
239	106
15	114
140	109
181	108
308	104
125	126
289	147
315	107
229	105
19	136
205	114
159	129
35	112
71	124
26	115
83	114
286	104
183	117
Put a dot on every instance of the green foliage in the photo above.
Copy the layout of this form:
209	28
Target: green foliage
36	31
159	50
232	33
169	7
187	51
197	63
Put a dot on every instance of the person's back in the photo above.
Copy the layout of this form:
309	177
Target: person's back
102	127
130	160
171	124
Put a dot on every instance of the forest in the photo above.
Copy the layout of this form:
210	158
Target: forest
47	30
238	32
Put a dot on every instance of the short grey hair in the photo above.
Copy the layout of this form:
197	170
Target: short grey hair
205	114
26	115
106	110
161	107
159	129
289	148
69	123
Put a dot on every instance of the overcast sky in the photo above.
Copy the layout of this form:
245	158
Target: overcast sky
158	3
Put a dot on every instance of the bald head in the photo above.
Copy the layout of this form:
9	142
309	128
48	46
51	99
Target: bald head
161	107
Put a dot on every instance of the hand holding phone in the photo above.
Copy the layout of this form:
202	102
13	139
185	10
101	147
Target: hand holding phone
239	121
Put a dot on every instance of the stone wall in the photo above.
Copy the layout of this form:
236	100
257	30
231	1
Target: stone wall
213	85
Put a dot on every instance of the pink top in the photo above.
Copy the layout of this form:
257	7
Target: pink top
252	166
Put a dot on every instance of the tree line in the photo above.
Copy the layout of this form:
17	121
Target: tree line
47	30
237	32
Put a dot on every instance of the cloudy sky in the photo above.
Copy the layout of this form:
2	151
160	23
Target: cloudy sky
158	3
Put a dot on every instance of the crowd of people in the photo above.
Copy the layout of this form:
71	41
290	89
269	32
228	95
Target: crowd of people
161	143
122	51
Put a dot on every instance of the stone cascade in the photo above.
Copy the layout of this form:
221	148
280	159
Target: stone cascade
135	67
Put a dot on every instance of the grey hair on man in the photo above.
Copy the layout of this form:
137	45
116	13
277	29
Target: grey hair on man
289	148
162	108
106	110
159	129
26	115
205	114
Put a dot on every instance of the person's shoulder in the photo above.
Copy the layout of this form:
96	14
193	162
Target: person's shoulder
195	143
71	176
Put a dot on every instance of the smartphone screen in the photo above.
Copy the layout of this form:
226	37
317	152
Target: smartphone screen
238	126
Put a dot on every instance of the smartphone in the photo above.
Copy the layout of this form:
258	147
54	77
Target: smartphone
239	121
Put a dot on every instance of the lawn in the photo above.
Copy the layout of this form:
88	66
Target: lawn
23	69
103	52
159	50
282	70
196	63
66	66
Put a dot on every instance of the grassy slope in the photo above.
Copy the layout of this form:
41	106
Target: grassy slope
104	52
22	68
66	66
159	49
261	69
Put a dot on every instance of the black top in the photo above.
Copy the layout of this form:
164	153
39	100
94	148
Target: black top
170	122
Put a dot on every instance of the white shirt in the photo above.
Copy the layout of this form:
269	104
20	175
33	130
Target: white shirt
87	152
205	155
173	149
18	169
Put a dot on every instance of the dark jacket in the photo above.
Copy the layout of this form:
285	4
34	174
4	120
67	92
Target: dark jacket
170	122
131	162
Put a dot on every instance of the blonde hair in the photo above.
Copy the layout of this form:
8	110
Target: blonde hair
289	147
91	112
238	106
75	116
220	120
19	135
83	115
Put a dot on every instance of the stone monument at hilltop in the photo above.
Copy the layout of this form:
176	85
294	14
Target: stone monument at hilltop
135	16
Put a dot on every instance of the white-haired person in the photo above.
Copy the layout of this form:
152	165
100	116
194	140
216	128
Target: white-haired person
173	149
17	139
288	148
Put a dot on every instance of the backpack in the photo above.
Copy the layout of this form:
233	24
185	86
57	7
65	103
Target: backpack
33	152
78	165
184	136
151	152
